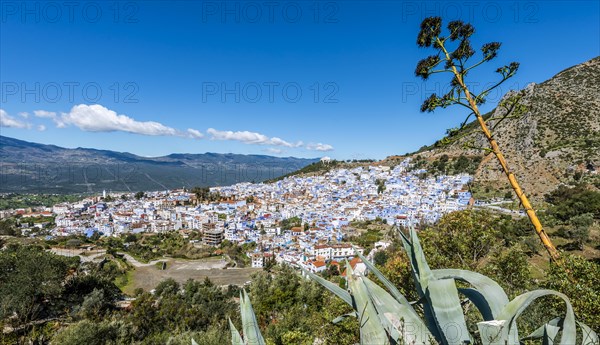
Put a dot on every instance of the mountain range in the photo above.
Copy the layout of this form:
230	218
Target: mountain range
27	167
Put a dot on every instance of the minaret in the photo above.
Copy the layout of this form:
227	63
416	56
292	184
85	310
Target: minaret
104	193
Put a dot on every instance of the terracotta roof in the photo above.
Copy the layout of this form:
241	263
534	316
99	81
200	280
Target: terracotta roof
319	264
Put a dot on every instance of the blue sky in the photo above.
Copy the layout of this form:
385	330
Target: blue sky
291	78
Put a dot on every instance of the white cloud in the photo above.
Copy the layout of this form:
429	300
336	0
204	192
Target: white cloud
243	136
59	122
44	114
194	133
319	147
24	114
96	118
274	150
247	137
280	142
50	115
9	121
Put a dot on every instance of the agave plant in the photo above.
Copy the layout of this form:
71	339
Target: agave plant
252	335
387	317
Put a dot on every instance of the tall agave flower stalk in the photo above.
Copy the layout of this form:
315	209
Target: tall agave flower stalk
456	62
386	317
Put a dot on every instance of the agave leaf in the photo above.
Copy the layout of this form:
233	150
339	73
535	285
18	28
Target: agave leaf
344	317
442	295
338	291
425	274
419	268
195	343
414	268
236	338
539	333
550	333
252	333
371	330
479	301
388	284
402	322
515	307
416	274
492	299
405	242
494	332
589	337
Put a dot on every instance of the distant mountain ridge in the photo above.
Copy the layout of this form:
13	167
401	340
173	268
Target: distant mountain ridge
555	141
27	167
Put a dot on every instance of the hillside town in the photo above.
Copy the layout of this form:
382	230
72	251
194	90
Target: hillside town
300	220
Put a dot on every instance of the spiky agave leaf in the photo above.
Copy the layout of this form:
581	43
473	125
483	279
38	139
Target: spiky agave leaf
338	291
494	332
344	317
442	295
487	295
550	333
547	332
252	333
371	330
402	322
236	338
479	301
588	336
388	284
515	307
419	267
421	275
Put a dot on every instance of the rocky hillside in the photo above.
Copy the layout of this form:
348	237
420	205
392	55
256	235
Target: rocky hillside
555	139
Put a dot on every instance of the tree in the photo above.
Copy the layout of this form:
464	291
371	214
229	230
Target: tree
7	228
73	243
167	287
32	282
380	257
579	281
140	195
455	62
581	228
88	332
288	223
511	269
94	304
461	239
571	202
380	183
